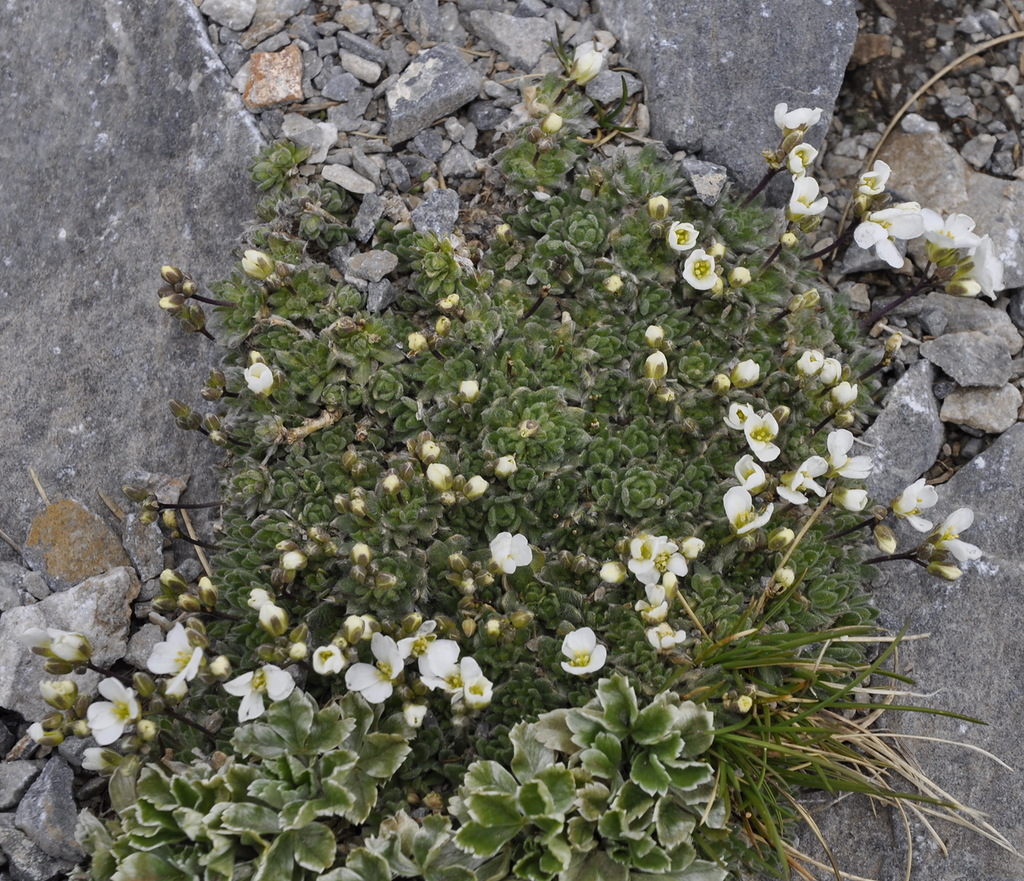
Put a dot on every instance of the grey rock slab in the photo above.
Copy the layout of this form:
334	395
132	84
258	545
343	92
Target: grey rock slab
347	179
970	664
372	265
47	814
99	608
906	437
941	313
138	159
370	211
234	14
992	410
435	84
25	861
15	778
422	20
606	87
520	41
970	357
928	170
144	544
715	71
19	586
320	137
707	178
437	213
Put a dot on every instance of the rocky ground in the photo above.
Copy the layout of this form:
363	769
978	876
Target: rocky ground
399	117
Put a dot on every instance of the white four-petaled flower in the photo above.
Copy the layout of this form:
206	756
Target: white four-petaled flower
259	377
760	430
268	680
840	463
585	653
108	719
511	551
178	657
681	236
915	498
328	659
750	475
699	270
794	483
799	117
651	556
805	202
947	536
872	183
375	682
739	508
880	229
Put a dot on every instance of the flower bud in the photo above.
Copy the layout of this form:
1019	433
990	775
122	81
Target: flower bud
885	539
743	704
613	572
551	124
172	275
788	240
586	65
414	714
258	597
143	683
361	554
443	326
745	374
428	452
850	499
844	394
273	619
781	414
440	476
528	428
60	694
521	619
830	372
613	284
475	487
780	539
658	207
785	576
505	467
257	265
504	232
654	336
946	571
691	547
391	484
353	629
493	628
44	737
208	592
293	560
297	651
721	384
417	343
468	627
739	276
219	667
656	366
259	378
469	390
843	419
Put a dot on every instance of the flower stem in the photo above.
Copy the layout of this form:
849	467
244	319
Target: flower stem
852	529
179	717
889	558
920	287
754	193
828	249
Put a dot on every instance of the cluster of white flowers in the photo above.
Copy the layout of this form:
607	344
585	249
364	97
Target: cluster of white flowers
805	203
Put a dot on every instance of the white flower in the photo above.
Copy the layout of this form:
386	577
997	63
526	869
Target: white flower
691	547
745	374
799	117
810	363
505	467
414	714
804	201
653	555
830	372
258	598
800	158
851	499
62	644
664	637
654	609
108	719
983	273
840	464
793	483
585	653
177	656
439	476
328	659
270	680
511	551
439	666
682	237
760	430
477	689
739	508
469	390
738	415
947	536
259	377
416	645
954	232
699	270
909	504
872	183
374	681
586	63
750	475
844	394
880	229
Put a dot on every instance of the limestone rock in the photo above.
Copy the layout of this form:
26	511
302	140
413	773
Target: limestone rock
970	357
521	41
68	543
15	778
348	179
436	83
992	410
25	861
941	313
275	78
437	213
47	814
99	608
906	437
738	65
234	14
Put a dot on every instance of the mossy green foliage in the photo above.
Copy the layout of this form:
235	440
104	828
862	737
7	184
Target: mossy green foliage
550	324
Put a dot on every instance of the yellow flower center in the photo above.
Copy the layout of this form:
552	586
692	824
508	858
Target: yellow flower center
582	659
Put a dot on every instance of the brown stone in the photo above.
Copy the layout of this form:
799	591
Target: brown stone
68	544
870	47
274	78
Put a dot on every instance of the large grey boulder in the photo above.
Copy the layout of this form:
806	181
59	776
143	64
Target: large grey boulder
123	147
715	71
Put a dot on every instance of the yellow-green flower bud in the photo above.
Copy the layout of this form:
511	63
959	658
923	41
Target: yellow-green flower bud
143	683
654	336
273	619
785	576
449	302
371	624
208	592
391	484
505	467
788	240
945	571
60	694
257	265
468	626
172	580
551	124
613	572
439	476
658	207
417	343
781	414
146	729
520	619
716	250
469	390
428	452
297	651
219	667
665	395
745	374
721	384
475	487
493	628
691	547
656	366
172	275
361	554
504	232
780	539
744	704
885	539
528	428
293	560
843	419
443	326
613	284
739	276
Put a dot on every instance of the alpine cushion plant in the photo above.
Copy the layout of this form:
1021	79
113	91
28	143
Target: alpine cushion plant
520	577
